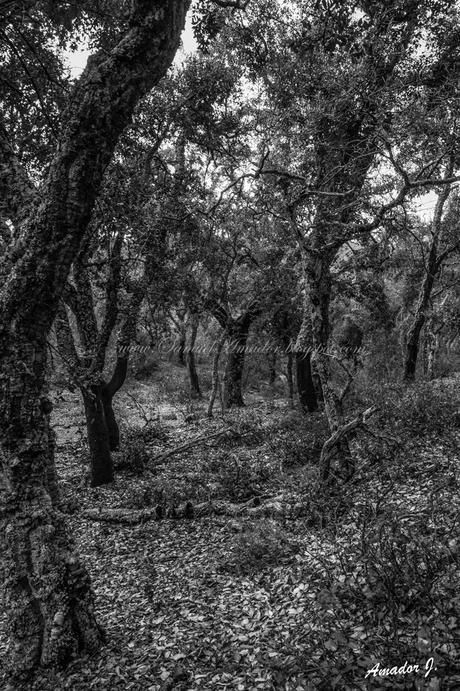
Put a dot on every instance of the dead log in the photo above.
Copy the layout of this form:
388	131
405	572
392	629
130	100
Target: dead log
125	516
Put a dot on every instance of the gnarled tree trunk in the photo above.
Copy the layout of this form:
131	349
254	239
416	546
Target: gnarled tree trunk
47	593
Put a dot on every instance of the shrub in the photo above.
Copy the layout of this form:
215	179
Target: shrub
299	440
419	410
262	543
134	453
241	474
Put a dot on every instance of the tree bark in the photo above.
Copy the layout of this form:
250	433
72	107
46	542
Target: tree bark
181	351
433	265
272	368
98	437
215	371
108	391
305	385
48	595
431	347
315	331
195	391
238	332
47	592
290	380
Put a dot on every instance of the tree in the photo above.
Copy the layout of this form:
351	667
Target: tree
336	80
48	592
438	251
142	226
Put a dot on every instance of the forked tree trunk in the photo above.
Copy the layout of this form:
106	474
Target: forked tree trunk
305	385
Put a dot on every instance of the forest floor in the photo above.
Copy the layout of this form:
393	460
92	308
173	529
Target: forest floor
270	582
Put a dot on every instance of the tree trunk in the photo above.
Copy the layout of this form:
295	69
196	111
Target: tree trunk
317	384
47	592
181	351
432	349
318	279
111	424
433	264
412	348
290	380
191	366
98	437
305	385
272	368
117	380
233	395
215	371
238	337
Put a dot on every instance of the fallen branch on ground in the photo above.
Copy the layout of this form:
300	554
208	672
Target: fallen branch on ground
252	508
330	445
162	457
